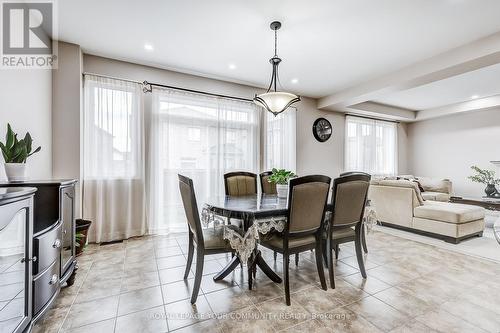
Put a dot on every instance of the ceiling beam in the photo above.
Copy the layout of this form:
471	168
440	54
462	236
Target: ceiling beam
462	107
383	111
478	54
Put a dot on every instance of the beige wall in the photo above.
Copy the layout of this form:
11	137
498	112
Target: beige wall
25	103
66	102
312	157
447	147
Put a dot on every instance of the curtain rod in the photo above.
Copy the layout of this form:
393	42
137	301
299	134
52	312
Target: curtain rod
146	89
378	119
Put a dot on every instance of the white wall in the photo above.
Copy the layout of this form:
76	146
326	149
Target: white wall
313	157
447	147
26	103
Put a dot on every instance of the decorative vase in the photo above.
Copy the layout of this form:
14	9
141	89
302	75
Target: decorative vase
16	172
490	190
282	190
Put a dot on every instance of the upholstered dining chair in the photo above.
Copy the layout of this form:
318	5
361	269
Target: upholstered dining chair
265	185
206	241
345	225
363	229
240	183
307	198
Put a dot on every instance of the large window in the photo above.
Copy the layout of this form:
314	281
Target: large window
371	146
201	137
280	140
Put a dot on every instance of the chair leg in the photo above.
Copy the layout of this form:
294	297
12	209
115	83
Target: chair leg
363	238
330	264
275	255
286	278
324	249
190	256
296	259
319	265
197	278
337	250
359	253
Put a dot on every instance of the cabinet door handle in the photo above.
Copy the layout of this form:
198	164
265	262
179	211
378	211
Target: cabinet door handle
57	244
29	259
53	279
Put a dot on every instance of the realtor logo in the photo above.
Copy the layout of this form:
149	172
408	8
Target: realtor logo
27	35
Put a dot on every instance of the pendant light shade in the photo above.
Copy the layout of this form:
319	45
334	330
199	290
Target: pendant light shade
276	101
273	100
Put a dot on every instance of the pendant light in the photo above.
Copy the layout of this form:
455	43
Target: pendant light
272	100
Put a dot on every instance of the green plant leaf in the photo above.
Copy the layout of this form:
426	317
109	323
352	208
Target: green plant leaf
28	140
5	153
9	137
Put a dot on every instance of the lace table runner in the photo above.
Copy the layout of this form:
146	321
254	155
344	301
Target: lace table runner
245	244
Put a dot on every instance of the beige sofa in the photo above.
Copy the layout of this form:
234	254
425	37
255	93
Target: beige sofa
434	189
399	203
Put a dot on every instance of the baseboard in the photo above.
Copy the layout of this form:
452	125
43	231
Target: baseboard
448	239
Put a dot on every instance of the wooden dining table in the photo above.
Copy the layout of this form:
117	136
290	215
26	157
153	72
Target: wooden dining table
249	209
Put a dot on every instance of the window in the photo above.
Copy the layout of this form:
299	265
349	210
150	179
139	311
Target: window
112	130
223	136
194	134
371	146
280	142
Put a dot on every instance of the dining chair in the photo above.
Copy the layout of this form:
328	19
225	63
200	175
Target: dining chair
240	183
345	225
206	241
307	198
265	185
363	229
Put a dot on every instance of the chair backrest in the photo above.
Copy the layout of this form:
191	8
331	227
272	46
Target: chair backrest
186	188
350	173
349	199
240	183
267	187
307	198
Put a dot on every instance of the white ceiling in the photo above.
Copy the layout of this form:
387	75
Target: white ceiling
480	83
328	45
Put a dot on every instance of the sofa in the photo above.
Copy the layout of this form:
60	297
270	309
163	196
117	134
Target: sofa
400	204
432	188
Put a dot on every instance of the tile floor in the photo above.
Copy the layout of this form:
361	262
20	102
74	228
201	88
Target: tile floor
137	286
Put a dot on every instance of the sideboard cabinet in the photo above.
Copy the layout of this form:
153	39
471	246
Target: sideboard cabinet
53	240
16	258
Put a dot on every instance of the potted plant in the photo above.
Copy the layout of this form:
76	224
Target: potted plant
15	153
280	178
486	177
82	229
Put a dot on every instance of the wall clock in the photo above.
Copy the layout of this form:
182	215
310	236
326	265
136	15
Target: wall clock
322	129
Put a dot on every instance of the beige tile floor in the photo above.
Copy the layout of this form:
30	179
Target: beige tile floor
137	286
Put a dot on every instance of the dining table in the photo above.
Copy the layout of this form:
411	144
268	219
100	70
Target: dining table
259	213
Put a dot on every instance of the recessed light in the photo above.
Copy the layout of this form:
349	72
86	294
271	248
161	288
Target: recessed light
295	80
148	47
231	66
474	96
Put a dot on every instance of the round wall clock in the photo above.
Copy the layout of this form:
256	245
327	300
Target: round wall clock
322	129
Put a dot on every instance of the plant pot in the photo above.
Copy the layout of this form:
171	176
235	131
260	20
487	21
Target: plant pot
82	227
15	172
490	190
282	190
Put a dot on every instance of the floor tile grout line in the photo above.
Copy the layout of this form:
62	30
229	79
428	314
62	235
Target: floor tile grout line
76	295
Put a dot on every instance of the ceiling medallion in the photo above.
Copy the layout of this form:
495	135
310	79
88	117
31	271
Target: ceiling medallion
272	100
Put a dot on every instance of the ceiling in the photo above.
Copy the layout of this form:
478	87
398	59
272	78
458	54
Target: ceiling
472	85
327	45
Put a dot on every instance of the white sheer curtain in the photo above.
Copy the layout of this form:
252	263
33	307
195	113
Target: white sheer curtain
201	137
280	140
371	146
113	159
